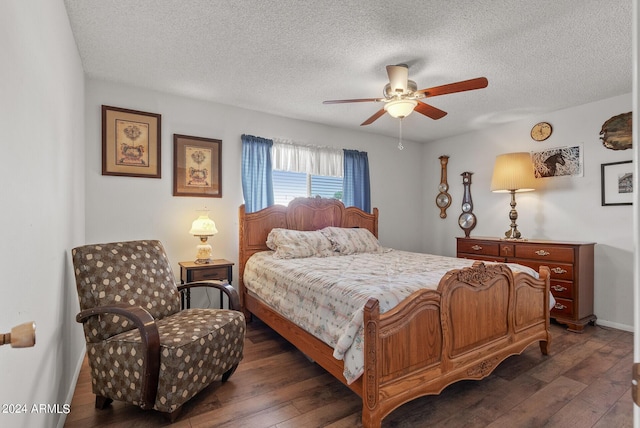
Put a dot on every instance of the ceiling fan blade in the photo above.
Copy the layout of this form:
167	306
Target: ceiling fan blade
373	118
357	100
398	77
430	111
465	85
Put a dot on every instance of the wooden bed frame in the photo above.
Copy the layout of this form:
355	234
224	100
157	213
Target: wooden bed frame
477	318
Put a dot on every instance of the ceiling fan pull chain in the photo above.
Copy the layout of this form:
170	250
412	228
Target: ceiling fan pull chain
400	146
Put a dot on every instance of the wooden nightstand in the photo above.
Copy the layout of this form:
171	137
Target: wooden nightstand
218	269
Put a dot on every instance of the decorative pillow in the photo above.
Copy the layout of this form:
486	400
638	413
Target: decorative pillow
352	240
295	244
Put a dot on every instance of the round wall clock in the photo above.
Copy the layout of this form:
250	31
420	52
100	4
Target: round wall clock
443	200
541	131
467	220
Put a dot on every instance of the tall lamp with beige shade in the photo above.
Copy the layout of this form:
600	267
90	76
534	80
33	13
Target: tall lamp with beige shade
513	173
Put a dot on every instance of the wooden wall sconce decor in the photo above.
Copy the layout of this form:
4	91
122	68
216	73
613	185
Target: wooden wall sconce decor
616	132
467	220
443	200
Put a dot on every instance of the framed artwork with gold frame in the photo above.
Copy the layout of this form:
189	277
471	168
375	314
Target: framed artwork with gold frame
197	166
130	143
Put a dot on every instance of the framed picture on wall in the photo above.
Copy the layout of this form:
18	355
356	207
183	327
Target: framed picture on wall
130	143
617	183
197	166
558	162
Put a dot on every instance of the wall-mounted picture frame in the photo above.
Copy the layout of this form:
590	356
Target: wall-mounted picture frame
617	183
558	162
197	166
130	142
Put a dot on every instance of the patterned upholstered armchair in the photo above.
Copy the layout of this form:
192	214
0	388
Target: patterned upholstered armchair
142	348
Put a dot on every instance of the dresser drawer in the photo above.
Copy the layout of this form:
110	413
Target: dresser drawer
507	250
558	270
209	274
561	289
479	248
542	252
481	257
563	308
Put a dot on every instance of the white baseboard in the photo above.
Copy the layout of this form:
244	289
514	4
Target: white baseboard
615	325
72	387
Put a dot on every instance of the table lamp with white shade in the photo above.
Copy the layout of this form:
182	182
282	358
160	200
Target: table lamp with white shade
203	227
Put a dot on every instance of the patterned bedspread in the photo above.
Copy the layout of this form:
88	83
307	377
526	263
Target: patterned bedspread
326	295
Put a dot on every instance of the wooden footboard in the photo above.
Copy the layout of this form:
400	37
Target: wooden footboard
477	318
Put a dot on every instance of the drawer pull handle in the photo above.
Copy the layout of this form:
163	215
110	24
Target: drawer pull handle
542	253
558	288
558	270
559	306
476	248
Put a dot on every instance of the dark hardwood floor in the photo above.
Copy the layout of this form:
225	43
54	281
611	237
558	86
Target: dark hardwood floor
584	382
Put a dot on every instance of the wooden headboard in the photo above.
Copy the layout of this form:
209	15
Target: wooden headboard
301	214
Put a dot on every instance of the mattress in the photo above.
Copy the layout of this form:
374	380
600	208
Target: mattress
326	295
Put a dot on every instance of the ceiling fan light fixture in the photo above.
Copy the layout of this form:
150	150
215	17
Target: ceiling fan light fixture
409	89
400	109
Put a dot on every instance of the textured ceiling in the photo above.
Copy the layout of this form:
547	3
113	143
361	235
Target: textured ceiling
285	57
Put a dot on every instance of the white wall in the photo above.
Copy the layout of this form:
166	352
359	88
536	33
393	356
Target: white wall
47	123
42	215
404	185
564	208
124	208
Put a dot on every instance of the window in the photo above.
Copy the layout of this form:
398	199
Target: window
327	187
286	170
288	185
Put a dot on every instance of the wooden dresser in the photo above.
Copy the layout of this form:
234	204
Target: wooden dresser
571	265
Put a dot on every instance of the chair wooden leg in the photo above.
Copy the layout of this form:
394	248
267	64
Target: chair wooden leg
228	373
172	416
102	402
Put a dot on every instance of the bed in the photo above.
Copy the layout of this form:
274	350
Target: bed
475	317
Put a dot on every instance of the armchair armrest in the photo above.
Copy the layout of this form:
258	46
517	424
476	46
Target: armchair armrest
225	287
145	323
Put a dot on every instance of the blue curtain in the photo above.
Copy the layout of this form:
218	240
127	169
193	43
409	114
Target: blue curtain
257	181
357	189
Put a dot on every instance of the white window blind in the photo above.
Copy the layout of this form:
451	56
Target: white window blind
288	185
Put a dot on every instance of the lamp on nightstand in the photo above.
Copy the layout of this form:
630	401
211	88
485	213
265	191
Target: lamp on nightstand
203	227
513	173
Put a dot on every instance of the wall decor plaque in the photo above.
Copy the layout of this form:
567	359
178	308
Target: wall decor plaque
616	132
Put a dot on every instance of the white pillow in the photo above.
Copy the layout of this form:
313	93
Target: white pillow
295	244
352	240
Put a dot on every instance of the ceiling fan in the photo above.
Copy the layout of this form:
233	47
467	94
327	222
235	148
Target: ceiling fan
401	95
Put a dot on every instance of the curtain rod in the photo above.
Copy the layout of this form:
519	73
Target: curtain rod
295	143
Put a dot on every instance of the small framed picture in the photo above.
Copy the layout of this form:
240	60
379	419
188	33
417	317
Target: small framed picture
617	183
130	143
197	166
